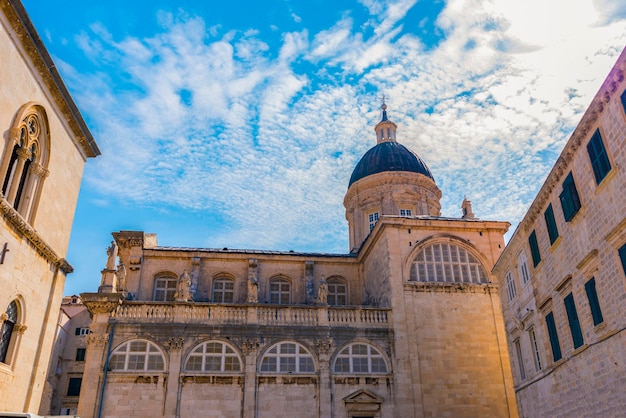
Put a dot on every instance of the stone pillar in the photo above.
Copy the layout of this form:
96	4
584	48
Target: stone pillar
325	402
22	156
175	345
250	349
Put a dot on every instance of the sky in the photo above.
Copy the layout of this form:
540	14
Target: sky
238	124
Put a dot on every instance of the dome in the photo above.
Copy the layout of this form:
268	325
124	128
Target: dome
389	156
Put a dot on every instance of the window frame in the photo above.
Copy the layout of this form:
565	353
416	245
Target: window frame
553	335
225	358
598	157
572	319
373	218
81	352
521	368
9	331
406	212
73	386
332	284
535	253
128	352
522	267
280	293
594	302
300	355
569	197
168	292
511	290
534	345
450	262
553	230
372	353
223	280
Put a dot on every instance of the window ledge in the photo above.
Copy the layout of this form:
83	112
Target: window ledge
556	243
606	180
6	369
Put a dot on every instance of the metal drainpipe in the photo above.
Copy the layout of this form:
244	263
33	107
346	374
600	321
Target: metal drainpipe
106	368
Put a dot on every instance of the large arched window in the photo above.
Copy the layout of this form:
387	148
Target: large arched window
360	358
213	356
165	288
337	292
7	330
288	357
447	262
223	290
280	291
137	355
24	165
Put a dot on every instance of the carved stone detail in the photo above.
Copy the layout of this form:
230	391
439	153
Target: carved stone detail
249	345
96	340
323	345
20	328
175	343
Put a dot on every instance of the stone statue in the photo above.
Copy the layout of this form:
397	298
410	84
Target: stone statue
112	256
121	276
182	289
322	292
253	288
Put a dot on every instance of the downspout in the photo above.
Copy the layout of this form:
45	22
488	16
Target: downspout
106	368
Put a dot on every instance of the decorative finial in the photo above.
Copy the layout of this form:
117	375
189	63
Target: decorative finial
383	107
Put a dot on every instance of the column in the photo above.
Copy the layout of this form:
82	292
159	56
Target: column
250	348
172	398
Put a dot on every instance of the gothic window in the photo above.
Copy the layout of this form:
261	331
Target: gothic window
287	357
165	288
7	330
360	358
137	355
280	291
213	356
446	262
223	290
23	167
337	292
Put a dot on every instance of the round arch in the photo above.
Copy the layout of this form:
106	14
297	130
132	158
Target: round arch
214	356
287	356
138	354
360	357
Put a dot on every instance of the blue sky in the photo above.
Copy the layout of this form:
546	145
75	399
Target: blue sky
238	124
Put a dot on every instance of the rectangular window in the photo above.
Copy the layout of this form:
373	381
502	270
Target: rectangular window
554	337
535	347
572	317
80	354
522	267
406	212
598	157
73	387
623	99
81	331
511	291
594	303
373	218
570	202
520	359
553	231
622	257
534	248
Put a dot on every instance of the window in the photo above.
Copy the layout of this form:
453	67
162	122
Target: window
445	262
520	359
73	387
288	358
406	212
535	347
80	354
553	231
337	293
622	257
570	202
223	290
510	286
280	291
623	99
165	288
594	303
534	248
572	317
522	267
360	358
213	356
373	218
24	165
81	331
554	337
137	355
598	157
6	332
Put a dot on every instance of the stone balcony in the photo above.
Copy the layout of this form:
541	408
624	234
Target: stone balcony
251	314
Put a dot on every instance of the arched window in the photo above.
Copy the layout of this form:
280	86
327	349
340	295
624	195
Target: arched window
165	288
213	356
360	358
6	332
337	292
24	165
280	291
137	355
223	290
446	262
288	358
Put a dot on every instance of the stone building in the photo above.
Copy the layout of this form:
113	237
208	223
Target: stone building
407	324
43	148
562	275
65	373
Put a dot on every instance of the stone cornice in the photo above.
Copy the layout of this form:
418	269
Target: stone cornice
101	303
437	287
25	230
42	62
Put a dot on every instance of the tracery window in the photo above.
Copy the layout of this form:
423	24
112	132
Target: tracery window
288	357
24	164
360	358
280	291
337	292
223	290
446	262
165	288
213	356
137	355
7	330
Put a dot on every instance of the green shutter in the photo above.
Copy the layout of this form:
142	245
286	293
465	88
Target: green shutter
554	338
622	257
534	249
570	202
598	157
553	231
572	317
594	303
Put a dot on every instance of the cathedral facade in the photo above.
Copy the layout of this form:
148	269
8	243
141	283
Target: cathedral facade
408	323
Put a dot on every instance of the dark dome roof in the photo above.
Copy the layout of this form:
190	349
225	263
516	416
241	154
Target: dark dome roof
389	156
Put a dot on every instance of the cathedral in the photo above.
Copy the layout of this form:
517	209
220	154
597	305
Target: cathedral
407	323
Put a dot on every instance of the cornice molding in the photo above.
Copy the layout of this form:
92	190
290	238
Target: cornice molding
437	287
